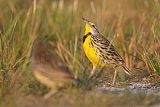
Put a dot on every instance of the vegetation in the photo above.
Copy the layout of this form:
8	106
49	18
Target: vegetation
133	26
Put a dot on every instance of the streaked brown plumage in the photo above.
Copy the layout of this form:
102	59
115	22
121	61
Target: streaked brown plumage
47	67
107	52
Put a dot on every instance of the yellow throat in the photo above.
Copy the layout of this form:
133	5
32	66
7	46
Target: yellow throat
87	28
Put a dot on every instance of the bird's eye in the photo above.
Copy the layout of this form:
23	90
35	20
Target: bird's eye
93	25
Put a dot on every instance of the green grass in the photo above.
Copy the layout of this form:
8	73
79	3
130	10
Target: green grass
135	30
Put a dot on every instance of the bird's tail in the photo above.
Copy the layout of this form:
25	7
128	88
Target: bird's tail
126	69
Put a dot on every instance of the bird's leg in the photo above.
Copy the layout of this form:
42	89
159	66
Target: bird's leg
92	72
50	93
115	75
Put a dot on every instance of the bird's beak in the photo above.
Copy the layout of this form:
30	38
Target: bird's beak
87	22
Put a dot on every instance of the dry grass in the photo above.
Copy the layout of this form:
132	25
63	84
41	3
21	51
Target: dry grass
135	24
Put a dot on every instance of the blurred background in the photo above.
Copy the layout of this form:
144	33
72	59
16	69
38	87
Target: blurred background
133	25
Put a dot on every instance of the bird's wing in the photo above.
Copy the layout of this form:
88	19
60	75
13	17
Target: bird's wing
106	51
55	74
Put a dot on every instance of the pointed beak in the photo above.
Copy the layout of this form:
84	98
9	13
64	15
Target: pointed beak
87	22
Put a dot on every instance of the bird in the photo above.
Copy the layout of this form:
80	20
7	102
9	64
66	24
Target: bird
48	69
100	50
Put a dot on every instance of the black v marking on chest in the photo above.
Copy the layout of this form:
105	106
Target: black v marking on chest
85	36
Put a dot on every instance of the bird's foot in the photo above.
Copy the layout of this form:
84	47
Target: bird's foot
49	94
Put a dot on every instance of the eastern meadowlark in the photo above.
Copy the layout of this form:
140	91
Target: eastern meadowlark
100	51
47	68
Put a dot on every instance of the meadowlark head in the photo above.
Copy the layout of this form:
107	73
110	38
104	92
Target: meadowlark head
90	27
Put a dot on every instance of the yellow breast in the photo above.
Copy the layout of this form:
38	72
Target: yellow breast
47	81
91	53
